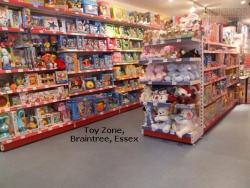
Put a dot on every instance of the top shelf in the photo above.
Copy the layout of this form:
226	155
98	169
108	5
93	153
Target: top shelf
221	44
70	14
172	41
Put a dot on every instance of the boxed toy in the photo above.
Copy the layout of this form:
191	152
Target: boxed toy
116	12
56	118
129	57
90	7
61	107
107	79
46	79
139	33
118	44
82	26
26	18
61	77
132	32
50	23
98	81
113	100
95	44
62	24
103	29
108	61
4	17
103	8
116	57
102	45
72	43
80	41
71	27
15	18
62	42
125	15
102	62
125	44
89	44
133	97
90	83
15	100
109	28
16	122
75	5
32	79
32	123
111	44
85	63
43	111
70	60
100	103
37	22
124	99
76	84
95	61
94	27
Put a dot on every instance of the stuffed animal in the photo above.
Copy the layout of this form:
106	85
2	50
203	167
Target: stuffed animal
60	63
184	95
159	73
155	36
184	75
146	96
163	121
149	75
173	94
160	96
163	35
194	71
192	53
184	123
171	72
5	58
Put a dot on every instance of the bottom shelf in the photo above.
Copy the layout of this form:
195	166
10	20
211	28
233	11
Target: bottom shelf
190	138
63	127
215	119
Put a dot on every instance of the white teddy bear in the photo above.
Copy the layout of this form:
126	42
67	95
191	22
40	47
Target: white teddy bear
163	121
149	75
184	75
194	71
146	95
159	73
172	72
183	123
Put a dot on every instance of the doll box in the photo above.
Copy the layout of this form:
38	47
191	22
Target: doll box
50	23
124	99
61	77
65	114
85	63
15	18
108	79
82	26
90	7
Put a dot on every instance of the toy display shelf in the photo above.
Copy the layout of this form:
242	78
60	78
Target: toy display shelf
220	44
216	118
70	14
189	138
215	80
232	67
32	89
83	51
219	52
170	60
13	30
92	91
128	78
24	106
92	70
26	70
168	105
131	63
215	68
30	137
213	99
130	89
171	83
127	50
233	83
172	41
42	31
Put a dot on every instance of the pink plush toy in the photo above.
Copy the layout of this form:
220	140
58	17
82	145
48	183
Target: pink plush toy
156	36
149	75
151	54
159	73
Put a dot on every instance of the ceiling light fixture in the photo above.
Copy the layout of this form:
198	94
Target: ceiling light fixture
193	8
243	2
170	1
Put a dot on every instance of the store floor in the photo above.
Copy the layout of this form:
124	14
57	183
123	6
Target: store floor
220	160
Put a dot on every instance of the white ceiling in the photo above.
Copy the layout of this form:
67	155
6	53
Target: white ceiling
226	8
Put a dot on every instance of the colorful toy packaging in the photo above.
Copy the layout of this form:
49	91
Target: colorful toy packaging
100	103
82	26
90	7
116	12
15	18
70	60
46	79
80	42
61	77
64	112
85	63
76	84
62	42
90	83
26	18
72	44
107	79
95	61
50	23
103	8
113	100
124	99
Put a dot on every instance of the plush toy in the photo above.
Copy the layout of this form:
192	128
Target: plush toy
60	63
192	53
155	36
5	59
184	123
168	51
184	95
160	96
171	72
149	75
173	94
181	53
195	90
163	121
159	73
146	96
163	35
194	71
184	75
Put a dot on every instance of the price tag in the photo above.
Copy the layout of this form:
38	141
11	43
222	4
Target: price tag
92	15
114	109
34	88
98	69
22	30
178	60
76	12
146	44
5	28
8	141
45	102
162	42
28	105
8	71
76	93
40	31
18	90
127	105
150	61
165	60
20	70
36	6
46	86
54	32
25	89
90	90
101	113
69	123
104	18
174	83
150	82
155	104
83	119
36	103
50	128
101	89
9	92
56	9
178	40
60	125
23	137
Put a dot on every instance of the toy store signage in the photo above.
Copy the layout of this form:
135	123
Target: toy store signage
103	134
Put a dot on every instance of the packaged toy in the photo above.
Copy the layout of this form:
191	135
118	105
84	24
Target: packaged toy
103	8
61	77
4	17
17	122
123	58
32	79
125	44
109	28
111	44
100	103
36	40
98	81
43	111
108	61
6	129
37	22
72	43
75	5
61	4
94	27
46	46
90	7
107	79
46	79
102	45
70	60
124	31
102	62
85	63
56	118
15	18
82	26
125	15
89	44
26	18
95	44
61	107
15	100
71	27
116	12
80	41
76	84
95	61
4	101
102	29
113	100
116	57
90	83
118	44
50	23
62	24
133	97
62	42
124	99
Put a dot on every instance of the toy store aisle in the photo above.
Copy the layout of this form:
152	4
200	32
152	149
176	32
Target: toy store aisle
220	159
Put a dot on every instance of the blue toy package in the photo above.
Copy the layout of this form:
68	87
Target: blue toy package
102	62
62	42
107	79
70	60
108	61
80	42
37	22
100	103
124	99
85	63
72	43
102	29
61	77
98	81
82	26
94	27
71	27
90	83
95	44
95	61
90	7
133	97
113	100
